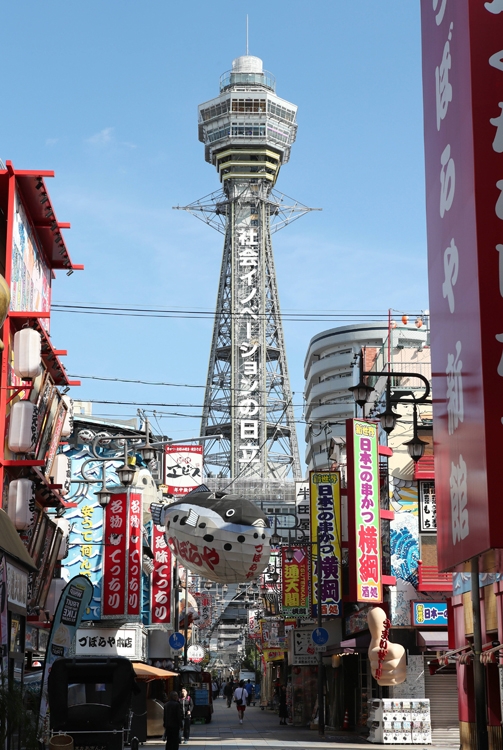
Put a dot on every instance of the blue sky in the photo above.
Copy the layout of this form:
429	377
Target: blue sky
106	93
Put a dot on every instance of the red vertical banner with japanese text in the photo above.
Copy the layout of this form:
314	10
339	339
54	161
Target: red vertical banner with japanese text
115	557
134	554
462	56
365	575
325	528
295	583
160	607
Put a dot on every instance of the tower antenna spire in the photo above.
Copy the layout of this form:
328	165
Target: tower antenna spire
247	34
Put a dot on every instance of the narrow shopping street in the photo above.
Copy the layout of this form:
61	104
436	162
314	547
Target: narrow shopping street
261	729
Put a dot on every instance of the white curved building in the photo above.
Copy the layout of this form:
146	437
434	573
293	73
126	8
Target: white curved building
329	371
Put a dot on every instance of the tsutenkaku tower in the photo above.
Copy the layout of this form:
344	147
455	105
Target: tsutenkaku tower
248	132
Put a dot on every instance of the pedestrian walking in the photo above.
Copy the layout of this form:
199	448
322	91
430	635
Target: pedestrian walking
172	721
187	705
240	700
229	692
214	689
283	708
248	688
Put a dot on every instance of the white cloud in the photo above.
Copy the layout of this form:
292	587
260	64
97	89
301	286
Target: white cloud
102	138
51	141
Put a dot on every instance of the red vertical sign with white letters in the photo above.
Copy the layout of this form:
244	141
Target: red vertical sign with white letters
133	604
113	602
463	112
161	578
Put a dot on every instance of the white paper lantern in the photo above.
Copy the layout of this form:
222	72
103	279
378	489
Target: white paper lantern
60	472
21	437
21	507
68	423
27	353
64	525
54	595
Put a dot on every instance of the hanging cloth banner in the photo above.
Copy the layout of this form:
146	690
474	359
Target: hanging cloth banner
73	602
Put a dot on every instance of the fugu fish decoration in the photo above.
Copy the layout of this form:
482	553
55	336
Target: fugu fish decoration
225	538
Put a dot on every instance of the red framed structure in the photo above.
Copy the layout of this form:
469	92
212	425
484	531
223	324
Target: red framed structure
27	190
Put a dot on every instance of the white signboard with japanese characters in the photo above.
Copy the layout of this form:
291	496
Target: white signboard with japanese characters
301	649
108	642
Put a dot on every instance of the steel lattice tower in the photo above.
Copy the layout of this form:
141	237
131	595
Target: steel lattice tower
248	132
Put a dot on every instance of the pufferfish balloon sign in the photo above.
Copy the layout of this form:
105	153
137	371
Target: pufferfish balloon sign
225	538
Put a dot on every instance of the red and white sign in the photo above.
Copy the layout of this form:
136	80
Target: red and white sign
134	554
115	557
161	578
463	112
183	468
203	599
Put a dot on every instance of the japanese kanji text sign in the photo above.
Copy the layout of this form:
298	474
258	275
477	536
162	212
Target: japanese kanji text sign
115	557
133	605
325	504
363	511
160	589
183	468
462	44
295	583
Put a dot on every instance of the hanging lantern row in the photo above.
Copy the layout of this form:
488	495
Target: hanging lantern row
22	434
27	353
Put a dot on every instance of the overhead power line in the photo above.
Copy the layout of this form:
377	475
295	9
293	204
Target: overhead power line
297	316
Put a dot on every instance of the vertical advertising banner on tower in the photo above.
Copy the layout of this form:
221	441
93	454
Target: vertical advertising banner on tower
462	44
115	557
133	604
183	468
295	583
325	501
160	608
363	511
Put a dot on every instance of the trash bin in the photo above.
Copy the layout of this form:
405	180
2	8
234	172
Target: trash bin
61	742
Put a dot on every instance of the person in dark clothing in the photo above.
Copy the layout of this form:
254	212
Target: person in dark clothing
187	705
229	692
172	721
283	708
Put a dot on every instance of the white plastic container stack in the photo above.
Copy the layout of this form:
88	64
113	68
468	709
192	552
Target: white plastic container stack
27	353
21	506
21	436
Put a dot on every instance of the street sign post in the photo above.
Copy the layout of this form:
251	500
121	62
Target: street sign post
319	636
177	641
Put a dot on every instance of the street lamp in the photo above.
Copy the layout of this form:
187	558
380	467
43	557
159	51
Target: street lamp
388	417
416	446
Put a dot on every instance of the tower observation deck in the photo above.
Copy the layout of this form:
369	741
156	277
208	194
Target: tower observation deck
248	132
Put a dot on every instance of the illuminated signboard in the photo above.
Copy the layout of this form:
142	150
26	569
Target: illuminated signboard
363	511
325	503
429	613
295	583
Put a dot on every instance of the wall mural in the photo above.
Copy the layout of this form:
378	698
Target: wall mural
86	523
404	540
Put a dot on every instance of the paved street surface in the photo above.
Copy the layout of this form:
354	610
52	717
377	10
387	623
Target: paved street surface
261	729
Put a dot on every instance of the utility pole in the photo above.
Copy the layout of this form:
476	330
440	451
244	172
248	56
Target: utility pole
186	618
479	677
319	592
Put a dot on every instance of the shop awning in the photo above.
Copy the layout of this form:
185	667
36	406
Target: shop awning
147	673
11	543
362	640
435	640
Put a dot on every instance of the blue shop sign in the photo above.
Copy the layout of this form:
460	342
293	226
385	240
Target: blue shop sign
429	613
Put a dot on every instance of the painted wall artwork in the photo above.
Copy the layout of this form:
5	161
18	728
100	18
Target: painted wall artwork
404	530
31	276
86	524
